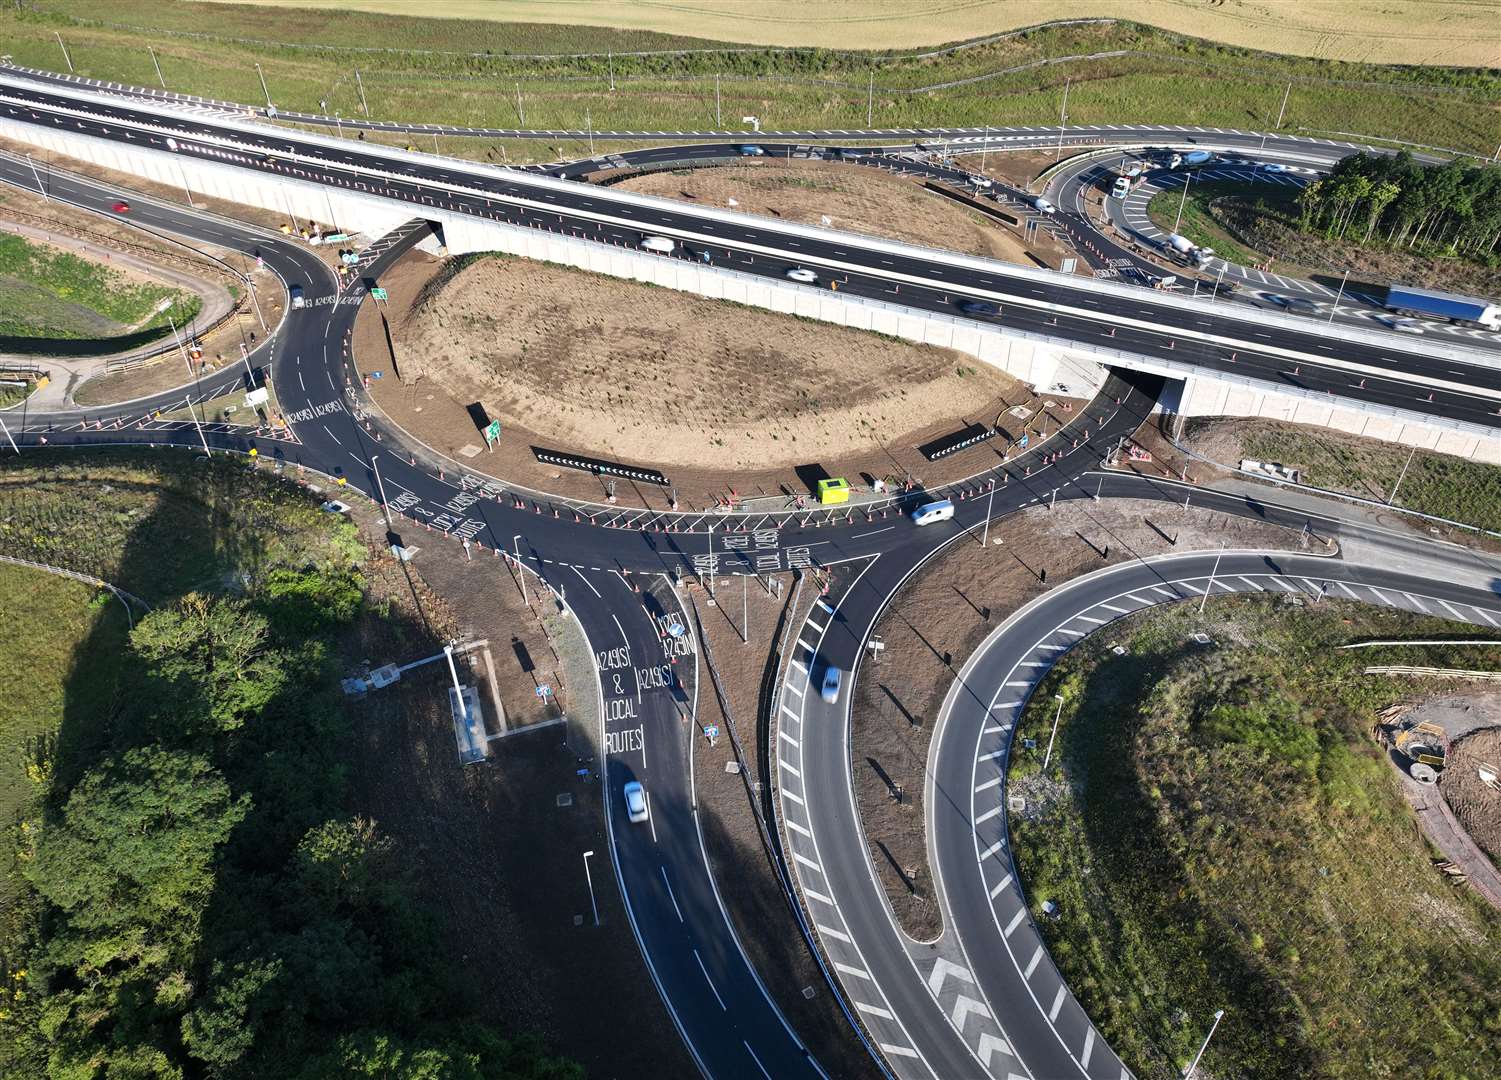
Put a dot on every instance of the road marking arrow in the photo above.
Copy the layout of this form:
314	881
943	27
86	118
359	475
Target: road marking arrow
942	970
989	1044
963	1007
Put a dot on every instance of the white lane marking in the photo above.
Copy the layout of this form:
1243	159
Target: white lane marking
1351	593
996	729
856	972
794	796
1016	920
820	897
900	1051
1382	596
789	768
991	850
815	626
992	755
992	812
795	690
859	536
1032	963
708	980
670	895
1484	615
995	890
592	589
331	435
1019	682
824	605
1453	609
805	645
988	784
1253	585
795	827
1112	607
1090	619
783	733
1088	1047
1057	1005
838	935
873	1010
807	862
790	713
754	1058
1421	606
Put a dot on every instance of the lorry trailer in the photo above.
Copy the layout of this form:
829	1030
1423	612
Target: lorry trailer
1425	303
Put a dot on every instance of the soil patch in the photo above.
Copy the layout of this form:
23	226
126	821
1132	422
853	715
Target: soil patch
611	368
941	616
1475	801
854	198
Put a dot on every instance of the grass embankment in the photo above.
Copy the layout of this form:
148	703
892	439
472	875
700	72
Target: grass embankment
1219	831
48	297
194	890
51	629
1438	484
464	72
1199	223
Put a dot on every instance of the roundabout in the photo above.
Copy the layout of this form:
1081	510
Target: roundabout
985	999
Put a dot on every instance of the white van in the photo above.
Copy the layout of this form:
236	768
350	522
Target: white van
1122	187
659	244
928	513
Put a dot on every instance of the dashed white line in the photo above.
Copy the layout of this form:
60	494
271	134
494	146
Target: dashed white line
1016	920
670	895
991	850
1057	1005
837	935
995	890
1032	963
993	782
856	972
807	862
820	897
873	1010
708	980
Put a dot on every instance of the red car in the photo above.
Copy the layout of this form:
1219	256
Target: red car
121	206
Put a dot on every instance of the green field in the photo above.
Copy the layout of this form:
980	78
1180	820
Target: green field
51	628
1219	830
48	297
467	73
1198	222
1439	484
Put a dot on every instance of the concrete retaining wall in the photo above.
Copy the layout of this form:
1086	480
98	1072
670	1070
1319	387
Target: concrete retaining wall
1210	397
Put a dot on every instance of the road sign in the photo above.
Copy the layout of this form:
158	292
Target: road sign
378	293
492	432
712	731
543	691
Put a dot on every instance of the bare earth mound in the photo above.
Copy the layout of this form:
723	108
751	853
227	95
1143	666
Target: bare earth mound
857	198
1476	802
653	375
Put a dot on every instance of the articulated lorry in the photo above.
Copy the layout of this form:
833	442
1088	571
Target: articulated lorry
1465	310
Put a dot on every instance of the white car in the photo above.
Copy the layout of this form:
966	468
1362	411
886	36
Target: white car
980	181
1401	325
797	273
660	244
832	678
1042	206
1273	167
635	802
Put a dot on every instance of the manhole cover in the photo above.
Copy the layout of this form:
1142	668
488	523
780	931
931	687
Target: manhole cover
565	799
469	450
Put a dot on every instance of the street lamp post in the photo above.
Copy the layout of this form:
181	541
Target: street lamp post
156	64
381	487
1210	587
1063	118
41	189
189	365
1400	476
590	880
64	48
1338	296
1056	716
264	88
1218	1016
989	502
1177	221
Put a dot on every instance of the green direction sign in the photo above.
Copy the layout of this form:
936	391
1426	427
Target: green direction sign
378	293
492	432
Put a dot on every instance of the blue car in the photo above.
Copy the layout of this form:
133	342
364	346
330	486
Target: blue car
752	151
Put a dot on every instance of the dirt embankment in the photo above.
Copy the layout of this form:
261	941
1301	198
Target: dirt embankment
629	371
1476	800
854	198
943	615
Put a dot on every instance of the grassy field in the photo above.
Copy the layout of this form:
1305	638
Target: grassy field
49	295
160	525
1198	222
466	72
50	629
1219	831
1438	484
1406	31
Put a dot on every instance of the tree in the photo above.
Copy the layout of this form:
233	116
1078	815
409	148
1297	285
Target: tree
207	667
